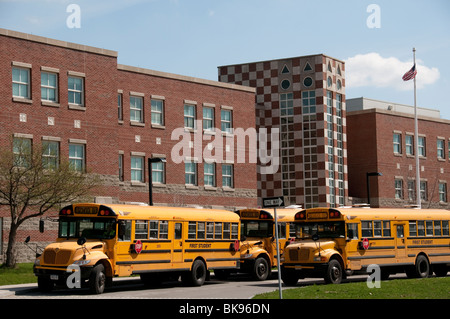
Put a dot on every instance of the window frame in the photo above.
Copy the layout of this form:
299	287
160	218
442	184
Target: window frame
20	84
75	92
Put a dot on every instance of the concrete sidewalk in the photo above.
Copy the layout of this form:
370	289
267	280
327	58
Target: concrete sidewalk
11	290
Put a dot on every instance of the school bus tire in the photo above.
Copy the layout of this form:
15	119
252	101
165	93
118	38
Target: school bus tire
422	267
97	279
197	276
261	269
334	273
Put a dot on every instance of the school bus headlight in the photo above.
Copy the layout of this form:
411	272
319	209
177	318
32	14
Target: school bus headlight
82	262
320	258
37	262
247	255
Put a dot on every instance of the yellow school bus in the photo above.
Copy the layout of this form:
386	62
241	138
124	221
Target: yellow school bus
258	246
332	243
107	241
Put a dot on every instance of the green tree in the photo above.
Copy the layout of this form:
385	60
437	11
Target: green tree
33	180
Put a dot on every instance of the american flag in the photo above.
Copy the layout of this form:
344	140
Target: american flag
410	74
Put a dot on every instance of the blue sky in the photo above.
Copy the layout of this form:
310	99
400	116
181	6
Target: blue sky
193	37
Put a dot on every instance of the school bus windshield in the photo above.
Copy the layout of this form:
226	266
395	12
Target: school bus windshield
259	229
323	229
88	227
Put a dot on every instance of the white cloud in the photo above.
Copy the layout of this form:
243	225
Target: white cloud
373	70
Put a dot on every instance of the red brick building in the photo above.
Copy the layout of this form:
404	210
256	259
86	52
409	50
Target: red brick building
381	139
304	98
110	119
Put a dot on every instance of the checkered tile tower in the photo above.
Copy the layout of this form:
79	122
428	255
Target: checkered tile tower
305	98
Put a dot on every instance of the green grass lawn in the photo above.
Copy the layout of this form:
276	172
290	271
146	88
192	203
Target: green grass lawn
429	288
22	274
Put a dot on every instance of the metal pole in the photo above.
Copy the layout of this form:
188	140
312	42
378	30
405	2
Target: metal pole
278	253
416	133
150	183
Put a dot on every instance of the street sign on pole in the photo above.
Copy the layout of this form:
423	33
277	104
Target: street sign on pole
271	202
275	202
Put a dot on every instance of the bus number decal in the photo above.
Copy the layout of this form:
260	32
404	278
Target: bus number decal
86	210
318	215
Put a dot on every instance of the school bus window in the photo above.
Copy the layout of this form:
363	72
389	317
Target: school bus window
400	233
352	231
366	228
235	231
437	228
67	228
445	228
420	228
282	230
141	229
226	231
429	227
201	230
178	230
191	230
163	229
291	230
153	229
412	228
125	230
218	231
386	228
377	228
209	230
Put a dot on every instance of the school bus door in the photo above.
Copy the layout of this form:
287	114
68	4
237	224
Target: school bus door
177	242
400	240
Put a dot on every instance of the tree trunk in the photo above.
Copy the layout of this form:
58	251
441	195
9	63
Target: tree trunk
11	250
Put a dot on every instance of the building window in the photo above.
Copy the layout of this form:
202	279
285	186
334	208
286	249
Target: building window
22	149
226	120
75	90
397	143
307	82
77	157
121	167
329	82
158	173
21	82
157	112
136	109
285	84
189	116
49	86
50	154
287	104
398	189
422	146
227	175
208	119
210	174
423	190
120	106
409	144
440	149
443	192
411	190
137	169
190	172
309	102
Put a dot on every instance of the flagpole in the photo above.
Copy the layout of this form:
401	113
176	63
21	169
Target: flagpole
416	133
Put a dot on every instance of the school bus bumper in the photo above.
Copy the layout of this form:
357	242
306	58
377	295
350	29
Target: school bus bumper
60	273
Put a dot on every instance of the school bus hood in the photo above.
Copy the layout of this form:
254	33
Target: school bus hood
64	253
310	244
